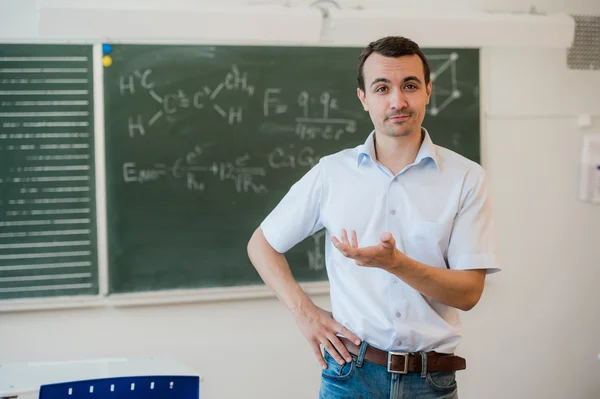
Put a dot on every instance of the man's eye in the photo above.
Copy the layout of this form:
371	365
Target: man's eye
381	89
411	87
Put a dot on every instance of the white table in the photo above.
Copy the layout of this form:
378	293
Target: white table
23	380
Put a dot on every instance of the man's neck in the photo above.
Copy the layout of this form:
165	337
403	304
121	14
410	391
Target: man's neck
395	153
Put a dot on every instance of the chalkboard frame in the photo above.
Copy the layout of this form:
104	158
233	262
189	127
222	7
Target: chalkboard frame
445	61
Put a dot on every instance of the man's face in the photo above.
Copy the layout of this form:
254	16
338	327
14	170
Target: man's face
395	94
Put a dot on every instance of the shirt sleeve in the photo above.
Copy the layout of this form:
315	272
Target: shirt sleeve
298	214
472	241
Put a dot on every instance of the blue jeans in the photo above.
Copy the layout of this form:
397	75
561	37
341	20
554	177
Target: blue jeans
362	379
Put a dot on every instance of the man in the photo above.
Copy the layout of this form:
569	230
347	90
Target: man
410	241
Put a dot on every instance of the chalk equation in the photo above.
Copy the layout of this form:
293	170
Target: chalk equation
310	127
240	170
189	169
312	114
289	157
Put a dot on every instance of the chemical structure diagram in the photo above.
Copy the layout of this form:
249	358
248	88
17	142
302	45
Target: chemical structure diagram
168	105
445	88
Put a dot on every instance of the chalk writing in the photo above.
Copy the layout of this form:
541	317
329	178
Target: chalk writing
171	104
189	168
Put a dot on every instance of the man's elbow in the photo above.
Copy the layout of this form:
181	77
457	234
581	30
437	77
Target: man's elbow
476	282
259	246
468	305
253	242
471	300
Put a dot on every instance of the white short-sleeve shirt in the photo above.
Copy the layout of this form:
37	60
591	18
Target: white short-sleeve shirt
438	210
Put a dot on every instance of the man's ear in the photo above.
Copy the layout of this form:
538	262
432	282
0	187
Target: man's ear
428	90
363	98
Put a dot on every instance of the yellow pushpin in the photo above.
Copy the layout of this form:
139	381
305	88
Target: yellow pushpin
107	60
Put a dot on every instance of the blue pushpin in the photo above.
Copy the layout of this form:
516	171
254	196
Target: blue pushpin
106	48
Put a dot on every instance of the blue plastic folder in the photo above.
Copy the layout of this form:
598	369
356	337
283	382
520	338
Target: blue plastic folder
146	387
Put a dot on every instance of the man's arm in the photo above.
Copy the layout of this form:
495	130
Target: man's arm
457	288
316	324
460	289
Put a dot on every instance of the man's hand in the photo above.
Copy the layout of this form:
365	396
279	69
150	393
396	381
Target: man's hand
319	328
384	255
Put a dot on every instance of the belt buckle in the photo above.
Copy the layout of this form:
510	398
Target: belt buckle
389	363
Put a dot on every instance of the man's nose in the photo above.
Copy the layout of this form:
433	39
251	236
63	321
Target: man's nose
398	100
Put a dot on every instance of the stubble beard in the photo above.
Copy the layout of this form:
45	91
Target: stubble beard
398	129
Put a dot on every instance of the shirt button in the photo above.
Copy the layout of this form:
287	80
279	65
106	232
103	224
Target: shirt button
398	343
395	280
393	212
398	314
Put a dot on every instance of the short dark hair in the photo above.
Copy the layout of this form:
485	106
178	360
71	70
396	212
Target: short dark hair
391	46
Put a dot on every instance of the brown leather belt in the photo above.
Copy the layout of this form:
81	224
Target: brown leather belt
402	363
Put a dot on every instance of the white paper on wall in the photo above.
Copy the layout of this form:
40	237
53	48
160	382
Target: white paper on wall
590	169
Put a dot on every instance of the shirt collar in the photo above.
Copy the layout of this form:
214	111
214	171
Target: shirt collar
427	149
367	149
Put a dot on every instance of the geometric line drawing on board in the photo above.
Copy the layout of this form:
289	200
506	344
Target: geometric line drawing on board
443	74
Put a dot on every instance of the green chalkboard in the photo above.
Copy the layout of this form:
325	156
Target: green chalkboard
203	141
47	183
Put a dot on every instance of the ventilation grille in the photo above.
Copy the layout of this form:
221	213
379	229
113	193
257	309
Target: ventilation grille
585	53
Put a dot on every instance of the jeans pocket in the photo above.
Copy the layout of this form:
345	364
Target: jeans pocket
442	381
336	371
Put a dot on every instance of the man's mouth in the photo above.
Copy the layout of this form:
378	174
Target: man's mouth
398	118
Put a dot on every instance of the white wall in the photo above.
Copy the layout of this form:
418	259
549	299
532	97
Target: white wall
536	331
